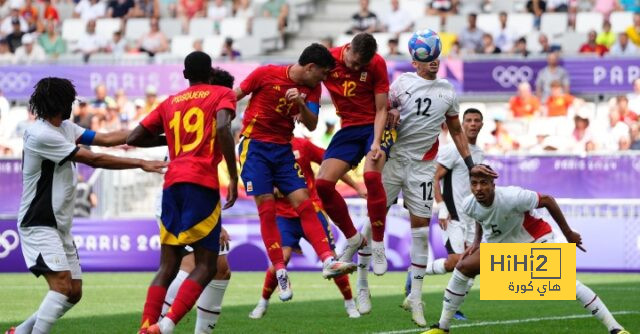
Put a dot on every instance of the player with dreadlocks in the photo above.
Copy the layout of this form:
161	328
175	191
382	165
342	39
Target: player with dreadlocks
48	195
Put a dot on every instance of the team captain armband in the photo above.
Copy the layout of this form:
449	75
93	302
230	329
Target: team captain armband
314	107
469	162
87	137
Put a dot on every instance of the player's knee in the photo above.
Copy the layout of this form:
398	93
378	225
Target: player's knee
324	187
223	274
62	286
466	269
75	295
450	264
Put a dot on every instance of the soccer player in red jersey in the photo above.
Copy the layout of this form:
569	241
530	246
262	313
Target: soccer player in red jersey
280	95
196	122
291	231
358	85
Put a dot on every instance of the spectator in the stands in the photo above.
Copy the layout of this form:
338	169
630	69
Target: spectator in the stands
23	125
99	103
616	131
364	20
198	45
15	37
30	52
90	43
552	72
545	46
188	9
154	41
504	37
622	47
591	46
626	114
442	8
582	135
557	5
51	41
455	51
634	97
228	51
330	129
605	7
145	8
89	10
524	104
520	48
537	8
471	37
218	11
502	140
112	118
151	100
606	37
278	9
398	20
117	45
635	136
119	8
50	11
9	22
5	52
5	8
488	47
30	13
243	9
83	114
559	101
392	43
634	30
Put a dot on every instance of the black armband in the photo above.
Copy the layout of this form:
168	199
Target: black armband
469	162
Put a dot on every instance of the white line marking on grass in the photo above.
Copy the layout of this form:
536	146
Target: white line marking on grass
507	322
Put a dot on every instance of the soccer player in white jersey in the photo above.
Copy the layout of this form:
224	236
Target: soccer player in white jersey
507	215
424	103
49	187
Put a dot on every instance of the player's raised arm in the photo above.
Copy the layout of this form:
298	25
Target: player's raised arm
239	93
308	117
225	137
548	202
462	144
109	139
379	123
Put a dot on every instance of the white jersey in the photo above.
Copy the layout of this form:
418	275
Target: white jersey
48	178
424	105
511	217
455	185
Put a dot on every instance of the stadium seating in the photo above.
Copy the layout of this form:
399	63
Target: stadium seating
106	27
586	22
73	29
553	23
201	27
137	27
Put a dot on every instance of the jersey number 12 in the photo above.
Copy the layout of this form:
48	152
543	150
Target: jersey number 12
427	102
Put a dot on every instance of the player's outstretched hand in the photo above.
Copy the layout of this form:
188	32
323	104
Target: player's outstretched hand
154	166
443	223
484	170
224	239
232	194
393	118
376	151
470	250
574	237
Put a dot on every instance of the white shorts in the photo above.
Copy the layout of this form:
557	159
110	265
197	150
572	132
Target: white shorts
459	234
415	179
48	249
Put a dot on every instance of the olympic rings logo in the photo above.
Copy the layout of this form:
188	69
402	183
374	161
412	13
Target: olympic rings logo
14	81
511	76
7	245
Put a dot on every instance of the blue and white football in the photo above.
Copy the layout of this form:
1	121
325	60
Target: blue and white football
425	45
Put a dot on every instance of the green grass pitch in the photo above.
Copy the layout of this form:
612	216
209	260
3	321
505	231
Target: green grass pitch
112	303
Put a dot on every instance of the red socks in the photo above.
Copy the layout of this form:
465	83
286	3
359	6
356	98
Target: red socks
270	233
187	296
376	204
335	206
313	230
270	283
153	305
342	282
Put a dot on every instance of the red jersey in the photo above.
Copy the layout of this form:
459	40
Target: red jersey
269	116
189	121
305	153
353	92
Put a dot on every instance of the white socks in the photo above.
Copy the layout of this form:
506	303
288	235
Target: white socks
53	307
27	326
436	267
364	258
453	297
598	309
172	291
419	254
209	306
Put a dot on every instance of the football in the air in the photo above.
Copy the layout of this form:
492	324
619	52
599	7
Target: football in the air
425	45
